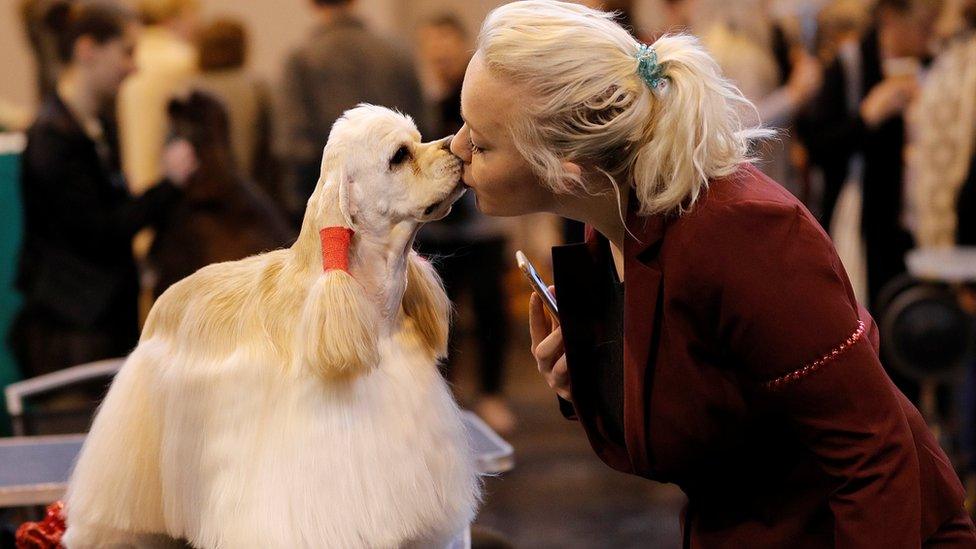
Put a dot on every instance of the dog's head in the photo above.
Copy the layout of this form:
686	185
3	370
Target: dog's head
383	174
381	183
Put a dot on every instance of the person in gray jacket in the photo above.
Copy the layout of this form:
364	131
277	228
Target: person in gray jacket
341	64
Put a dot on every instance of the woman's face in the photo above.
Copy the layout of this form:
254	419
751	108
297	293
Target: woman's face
501	179
111	62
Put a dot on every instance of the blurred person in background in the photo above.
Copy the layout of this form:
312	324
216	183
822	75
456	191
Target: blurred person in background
942	177
222	215
467	247
77	272
942	180
623	10
840	23
856	129
223	51
773	72
166	59
341	64
43	43
16	115
443	51
679	16
13	116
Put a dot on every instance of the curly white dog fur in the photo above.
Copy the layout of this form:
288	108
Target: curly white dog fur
272	404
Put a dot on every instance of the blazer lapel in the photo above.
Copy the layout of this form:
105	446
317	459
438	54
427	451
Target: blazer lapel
642	283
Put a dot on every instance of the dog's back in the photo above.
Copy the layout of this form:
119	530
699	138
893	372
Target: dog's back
293	399
210	433
213	308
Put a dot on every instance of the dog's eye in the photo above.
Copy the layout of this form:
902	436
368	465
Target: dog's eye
398	157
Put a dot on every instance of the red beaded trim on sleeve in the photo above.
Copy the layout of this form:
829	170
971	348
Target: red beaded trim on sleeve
814	366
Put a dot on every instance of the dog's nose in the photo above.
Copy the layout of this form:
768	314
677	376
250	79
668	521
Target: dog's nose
445	143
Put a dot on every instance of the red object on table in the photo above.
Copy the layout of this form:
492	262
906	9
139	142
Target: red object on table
45	534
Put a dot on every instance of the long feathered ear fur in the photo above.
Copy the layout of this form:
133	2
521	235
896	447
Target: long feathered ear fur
337	331
425	301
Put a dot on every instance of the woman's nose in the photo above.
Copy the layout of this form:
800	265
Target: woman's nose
458	149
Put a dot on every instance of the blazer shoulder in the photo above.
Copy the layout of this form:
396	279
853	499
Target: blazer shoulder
745	219
746	196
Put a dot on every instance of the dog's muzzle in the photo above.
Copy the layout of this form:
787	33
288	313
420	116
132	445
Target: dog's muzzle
440	209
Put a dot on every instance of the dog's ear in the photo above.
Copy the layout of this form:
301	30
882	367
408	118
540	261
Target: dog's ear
427	304
347	203
333	201
337	332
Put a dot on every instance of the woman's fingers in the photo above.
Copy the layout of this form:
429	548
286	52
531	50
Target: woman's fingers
180	161
549	349
539	326
558	379
547	346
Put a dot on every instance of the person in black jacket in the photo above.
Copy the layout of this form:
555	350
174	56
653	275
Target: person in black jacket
77	271
856	126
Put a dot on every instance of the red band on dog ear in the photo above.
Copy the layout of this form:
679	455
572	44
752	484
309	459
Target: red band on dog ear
335	248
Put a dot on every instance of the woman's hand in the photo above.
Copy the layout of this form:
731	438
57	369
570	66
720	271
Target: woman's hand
179	162
547	347
805	79
888	98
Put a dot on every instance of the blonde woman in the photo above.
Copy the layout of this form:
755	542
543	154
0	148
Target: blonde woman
709	336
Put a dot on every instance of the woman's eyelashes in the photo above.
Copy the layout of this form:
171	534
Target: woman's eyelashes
474	148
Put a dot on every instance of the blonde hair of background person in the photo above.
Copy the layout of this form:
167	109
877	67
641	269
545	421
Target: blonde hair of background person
588	103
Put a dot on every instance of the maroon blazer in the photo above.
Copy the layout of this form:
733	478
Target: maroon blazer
752	381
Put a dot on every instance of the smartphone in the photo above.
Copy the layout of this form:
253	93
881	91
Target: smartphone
537	283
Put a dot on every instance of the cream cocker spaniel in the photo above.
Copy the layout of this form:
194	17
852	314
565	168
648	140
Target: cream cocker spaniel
292	399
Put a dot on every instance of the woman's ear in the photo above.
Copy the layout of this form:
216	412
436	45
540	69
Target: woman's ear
573	170
426	302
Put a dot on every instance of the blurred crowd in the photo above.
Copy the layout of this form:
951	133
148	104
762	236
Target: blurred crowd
157	150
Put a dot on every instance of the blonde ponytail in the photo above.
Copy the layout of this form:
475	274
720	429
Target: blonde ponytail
695	132
588	104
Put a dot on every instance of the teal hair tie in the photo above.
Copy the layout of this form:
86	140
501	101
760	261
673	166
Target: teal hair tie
647	66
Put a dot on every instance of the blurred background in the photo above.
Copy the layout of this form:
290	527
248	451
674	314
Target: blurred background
143	139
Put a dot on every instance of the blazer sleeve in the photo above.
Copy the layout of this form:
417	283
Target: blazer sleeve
786	317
